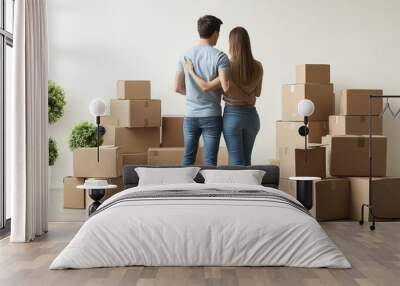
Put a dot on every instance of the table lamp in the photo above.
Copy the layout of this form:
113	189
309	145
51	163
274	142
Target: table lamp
97	108
305	108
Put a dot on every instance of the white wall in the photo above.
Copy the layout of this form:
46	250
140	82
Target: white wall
95	42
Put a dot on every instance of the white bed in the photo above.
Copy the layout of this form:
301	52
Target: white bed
202	231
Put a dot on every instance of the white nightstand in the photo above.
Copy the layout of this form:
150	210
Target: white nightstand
96	194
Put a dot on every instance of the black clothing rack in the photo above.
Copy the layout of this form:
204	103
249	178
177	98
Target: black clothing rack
370	205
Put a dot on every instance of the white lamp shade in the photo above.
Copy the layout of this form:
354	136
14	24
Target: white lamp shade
97	107
305	107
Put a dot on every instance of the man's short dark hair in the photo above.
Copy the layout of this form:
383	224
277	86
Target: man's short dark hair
207	25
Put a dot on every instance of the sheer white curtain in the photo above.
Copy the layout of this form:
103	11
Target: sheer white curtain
29	151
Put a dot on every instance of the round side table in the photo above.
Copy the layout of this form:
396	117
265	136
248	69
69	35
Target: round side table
304	190
96	194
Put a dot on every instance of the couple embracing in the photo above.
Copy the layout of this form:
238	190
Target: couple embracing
206	74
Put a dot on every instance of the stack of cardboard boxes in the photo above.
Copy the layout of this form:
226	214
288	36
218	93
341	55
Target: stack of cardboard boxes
131	129
344	162
313	83
348	154
132	136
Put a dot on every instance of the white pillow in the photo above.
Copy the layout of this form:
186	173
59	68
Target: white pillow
247	177
166	176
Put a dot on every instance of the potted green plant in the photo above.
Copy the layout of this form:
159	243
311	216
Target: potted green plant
83	135
53	151
56	104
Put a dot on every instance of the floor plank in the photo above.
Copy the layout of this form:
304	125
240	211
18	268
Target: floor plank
375	257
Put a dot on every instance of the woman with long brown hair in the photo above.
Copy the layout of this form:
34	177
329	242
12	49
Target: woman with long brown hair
240	121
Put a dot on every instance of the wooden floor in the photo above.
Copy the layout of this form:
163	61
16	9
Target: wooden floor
375	257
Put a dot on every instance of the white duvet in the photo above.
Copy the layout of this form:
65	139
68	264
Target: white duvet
199	231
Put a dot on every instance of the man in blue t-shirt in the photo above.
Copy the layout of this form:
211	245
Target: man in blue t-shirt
203	108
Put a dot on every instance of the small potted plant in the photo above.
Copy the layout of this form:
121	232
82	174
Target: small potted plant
83	135
53	154
56	104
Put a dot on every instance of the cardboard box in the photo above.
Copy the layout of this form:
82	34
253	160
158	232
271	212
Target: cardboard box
385	197
347	155
287	133
292	162
132	140
320	94
73	198
168	156
312	73
356	102
86	165
331	197
134	159
223	156
133	89
288	186
354	125
107	120
172	131
136	113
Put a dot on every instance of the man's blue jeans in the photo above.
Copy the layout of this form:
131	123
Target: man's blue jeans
193	128
241	125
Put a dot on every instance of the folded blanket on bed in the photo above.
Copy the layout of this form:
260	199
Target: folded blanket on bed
205	193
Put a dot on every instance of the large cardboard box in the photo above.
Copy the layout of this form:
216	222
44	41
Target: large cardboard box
168	156
347	155
73	198
292	162
132	140
134	159
320	94
136	113
385	197
133	89
356	102
331	197
354	125
287	133
86	165
312	73
172	131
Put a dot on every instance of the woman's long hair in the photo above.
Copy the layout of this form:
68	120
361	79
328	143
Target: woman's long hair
244	67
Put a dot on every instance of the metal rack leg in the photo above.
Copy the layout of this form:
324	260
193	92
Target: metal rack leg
372	214
362	214
371	211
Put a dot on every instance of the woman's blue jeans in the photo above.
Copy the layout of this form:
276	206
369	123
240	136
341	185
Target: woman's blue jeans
240	128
